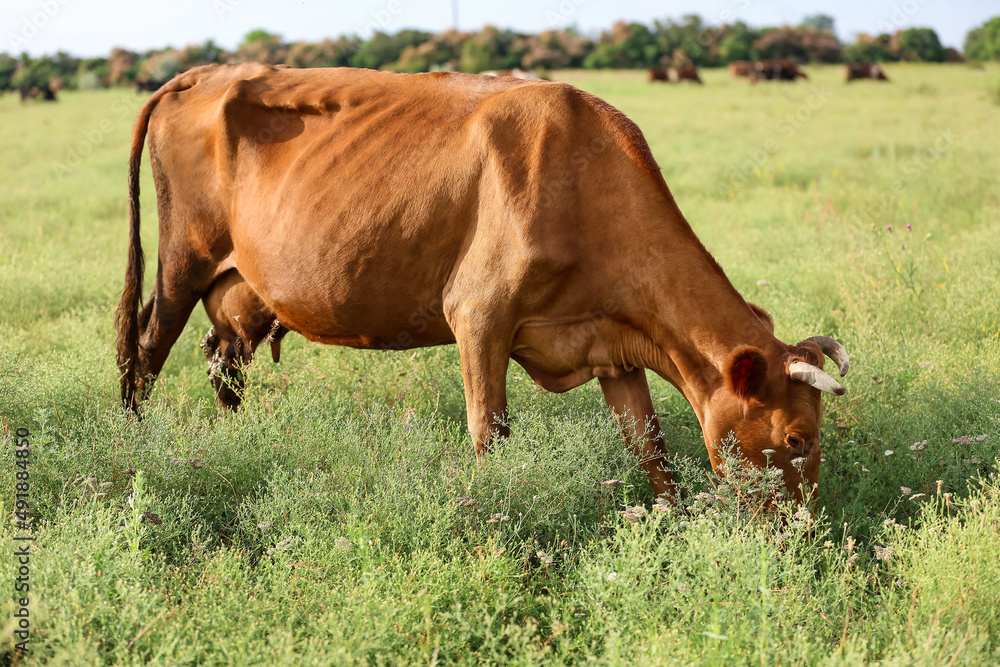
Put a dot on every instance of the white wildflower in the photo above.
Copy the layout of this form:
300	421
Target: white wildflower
917	446
883	553
905	490
612	576
544	557
889	452
767	452
917	495
799	463
634	514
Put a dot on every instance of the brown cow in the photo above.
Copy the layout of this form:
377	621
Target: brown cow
522	220
44	93
739	68
684	73
657	74
775	70
146	85
865	71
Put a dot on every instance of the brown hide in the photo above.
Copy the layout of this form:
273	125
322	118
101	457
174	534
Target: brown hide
775	70
684	73
739	68
657	74
872	71
522	220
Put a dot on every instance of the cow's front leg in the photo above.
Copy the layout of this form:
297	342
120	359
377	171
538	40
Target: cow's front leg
628	396
484	372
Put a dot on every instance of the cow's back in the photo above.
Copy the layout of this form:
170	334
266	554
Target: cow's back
348	199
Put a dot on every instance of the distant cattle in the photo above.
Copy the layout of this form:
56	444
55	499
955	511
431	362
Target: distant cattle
740	69
775	70
684	73
657	74
147	85
865	71
522	220
45	93
513	73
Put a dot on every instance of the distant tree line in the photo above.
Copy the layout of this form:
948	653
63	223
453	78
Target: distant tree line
625	45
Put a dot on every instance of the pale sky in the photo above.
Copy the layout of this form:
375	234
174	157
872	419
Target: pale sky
93	27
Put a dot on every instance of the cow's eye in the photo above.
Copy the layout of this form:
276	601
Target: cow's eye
796	442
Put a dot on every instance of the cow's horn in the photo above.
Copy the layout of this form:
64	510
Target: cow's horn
835	351
800	370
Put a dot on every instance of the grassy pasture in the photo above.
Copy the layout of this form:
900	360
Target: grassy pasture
322	524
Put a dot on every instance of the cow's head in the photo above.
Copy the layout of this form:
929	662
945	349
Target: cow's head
771	400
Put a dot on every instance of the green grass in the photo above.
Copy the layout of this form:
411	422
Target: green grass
322	524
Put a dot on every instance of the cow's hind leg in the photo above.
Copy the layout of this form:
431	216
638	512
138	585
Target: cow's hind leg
628	396
162	319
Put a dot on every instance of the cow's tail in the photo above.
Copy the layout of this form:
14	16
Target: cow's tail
127	315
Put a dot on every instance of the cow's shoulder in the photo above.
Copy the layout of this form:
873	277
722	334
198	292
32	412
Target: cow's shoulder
585	117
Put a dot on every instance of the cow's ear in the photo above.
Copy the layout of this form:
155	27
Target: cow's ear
746	371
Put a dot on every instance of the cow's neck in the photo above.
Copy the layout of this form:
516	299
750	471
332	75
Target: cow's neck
697	317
